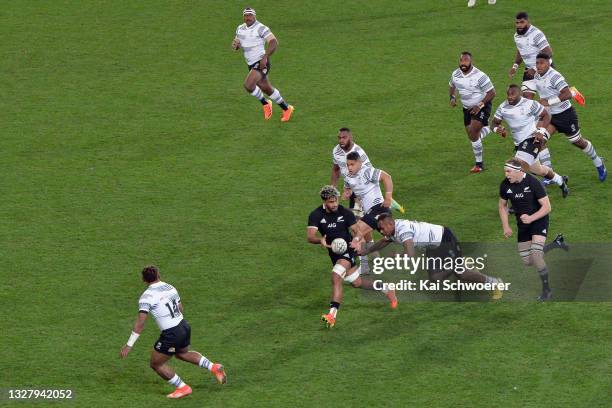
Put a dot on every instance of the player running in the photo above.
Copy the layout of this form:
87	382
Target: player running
477	92
528	120
333	221
252	36
531	207
164	303
438	241
365	183
556	94
346	145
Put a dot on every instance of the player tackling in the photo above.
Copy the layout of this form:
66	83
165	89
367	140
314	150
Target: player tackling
252	36
163	301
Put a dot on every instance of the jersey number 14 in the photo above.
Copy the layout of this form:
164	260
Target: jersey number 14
173	308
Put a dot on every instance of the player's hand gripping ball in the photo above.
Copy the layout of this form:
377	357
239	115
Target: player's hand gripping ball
339	246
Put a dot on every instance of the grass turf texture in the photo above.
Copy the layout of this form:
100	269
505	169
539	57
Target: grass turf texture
127	139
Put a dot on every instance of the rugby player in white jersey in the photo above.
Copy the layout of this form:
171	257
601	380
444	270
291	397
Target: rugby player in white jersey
530	41
477	92
555	93
365	181
333	221
437	241
527	120
252	36
162	300
346	145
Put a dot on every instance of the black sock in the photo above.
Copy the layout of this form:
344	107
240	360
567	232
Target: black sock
263	101
544	276
479	164
283	105
334	305
550	246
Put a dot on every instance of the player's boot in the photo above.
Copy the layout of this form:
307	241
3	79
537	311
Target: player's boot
397	206
546	295
392	298
267	108
287	114
180	392
219	372
559	242
478	168
330	321
603	172
564	188
546	182
497	293
578	97
492	2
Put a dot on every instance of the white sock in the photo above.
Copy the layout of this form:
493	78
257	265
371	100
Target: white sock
258	93
276	97
545	158
589	150
176	381
557	179
484	132
205	363
333	311
363	265
477	148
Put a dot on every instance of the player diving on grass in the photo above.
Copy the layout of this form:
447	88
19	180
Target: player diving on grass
333	221
162	300
527	120
438	242
252	36
346	145
477	92
531	208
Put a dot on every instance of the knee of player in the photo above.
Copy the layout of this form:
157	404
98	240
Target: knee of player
527	260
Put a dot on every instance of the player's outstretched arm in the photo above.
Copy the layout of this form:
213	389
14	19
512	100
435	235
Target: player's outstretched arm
503	215
377	246
138	328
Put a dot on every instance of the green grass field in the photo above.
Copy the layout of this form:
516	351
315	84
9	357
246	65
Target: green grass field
127	139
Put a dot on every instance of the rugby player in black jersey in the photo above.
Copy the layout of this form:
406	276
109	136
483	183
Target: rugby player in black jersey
531	208
334	221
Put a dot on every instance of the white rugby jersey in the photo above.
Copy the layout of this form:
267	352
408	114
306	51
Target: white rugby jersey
252	40
521	118
161	300
365	185
550	85
530	44
422	234
472	87
339	157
